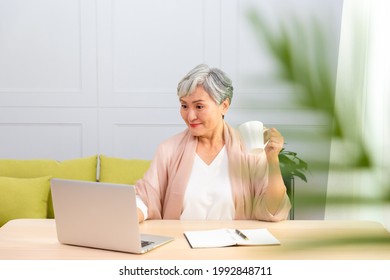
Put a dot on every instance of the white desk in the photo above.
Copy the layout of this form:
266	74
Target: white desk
36	239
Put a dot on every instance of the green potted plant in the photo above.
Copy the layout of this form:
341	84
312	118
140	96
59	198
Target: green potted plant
292	166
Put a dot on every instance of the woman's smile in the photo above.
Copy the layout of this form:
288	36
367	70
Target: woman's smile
195	125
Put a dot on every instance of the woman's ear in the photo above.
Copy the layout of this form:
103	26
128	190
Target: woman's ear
225	106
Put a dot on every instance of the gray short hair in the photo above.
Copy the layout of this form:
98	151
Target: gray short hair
214	81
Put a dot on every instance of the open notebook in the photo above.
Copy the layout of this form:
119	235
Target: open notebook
229	237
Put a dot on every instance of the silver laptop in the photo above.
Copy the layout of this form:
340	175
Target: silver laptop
100	215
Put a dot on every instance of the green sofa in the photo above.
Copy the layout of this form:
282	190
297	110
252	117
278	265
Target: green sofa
25	184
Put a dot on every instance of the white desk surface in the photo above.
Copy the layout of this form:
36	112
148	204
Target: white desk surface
302	240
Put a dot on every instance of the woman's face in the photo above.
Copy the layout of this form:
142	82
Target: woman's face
201	113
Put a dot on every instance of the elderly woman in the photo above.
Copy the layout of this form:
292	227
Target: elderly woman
204	172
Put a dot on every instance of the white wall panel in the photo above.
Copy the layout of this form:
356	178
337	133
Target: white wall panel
144	52
57	133
47	53
136	133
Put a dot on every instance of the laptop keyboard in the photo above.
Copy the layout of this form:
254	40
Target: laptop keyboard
146	243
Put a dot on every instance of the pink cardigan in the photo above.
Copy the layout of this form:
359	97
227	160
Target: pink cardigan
163	186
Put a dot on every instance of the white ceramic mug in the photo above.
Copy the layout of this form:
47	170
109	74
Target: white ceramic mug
252	134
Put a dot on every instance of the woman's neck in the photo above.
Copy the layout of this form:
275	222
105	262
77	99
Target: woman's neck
209	147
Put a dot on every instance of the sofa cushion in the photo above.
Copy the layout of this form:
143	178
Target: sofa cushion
23	198
122	171
32	168
76	169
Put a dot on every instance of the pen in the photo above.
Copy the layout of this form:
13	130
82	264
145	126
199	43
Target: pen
241	234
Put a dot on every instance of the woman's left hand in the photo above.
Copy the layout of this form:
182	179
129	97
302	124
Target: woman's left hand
274	145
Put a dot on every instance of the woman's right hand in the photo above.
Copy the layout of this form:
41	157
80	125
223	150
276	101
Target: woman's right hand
141	217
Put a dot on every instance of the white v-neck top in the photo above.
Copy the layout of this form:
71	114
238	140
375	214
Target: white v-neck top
208	195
